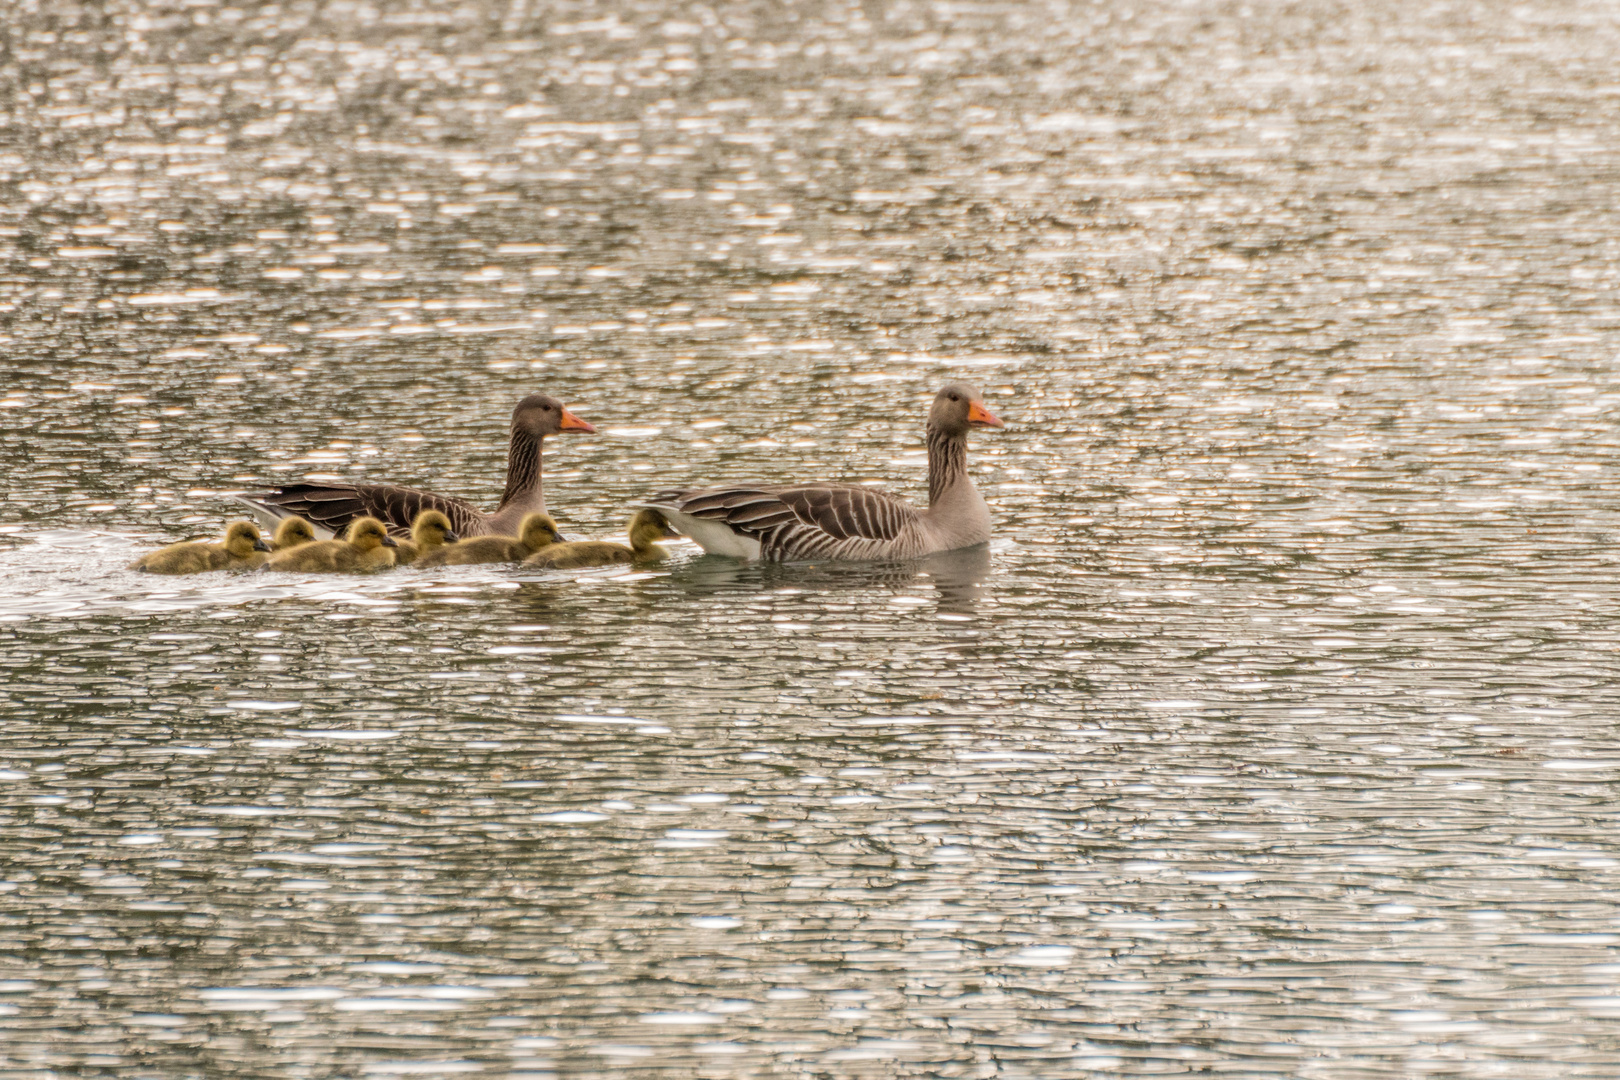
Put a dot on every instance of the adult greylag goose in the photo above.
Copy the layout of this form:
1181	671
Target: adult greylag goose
432	530
330	507
646	529
242	549
846	522
365	547
536	532
292	532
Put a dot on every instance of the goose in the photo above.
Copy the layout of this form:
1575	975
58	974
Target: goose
846	522
537	531
646	529
330	507
242	549
432	530
292	532
367	547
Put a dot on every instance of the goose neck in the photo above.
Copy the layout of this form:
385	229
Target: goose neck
947	464
522	469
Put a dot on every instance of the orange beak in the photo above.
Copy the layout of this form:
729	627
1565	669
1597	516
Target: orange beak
570	422
979	416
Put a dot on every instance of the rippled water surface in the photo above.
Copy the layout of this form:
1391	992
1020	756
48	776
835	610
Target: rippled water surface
1275	734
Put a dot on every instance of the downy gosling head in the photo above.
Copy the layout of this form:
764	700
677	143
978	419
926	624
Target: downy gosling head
291	532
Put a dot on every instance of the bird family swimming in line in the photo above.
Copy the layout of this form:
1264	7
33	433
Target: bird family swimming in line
357	528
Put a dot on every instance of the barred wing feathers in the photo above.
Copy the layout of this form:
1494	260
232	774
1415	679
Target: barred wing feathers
333	506
845	512
804	521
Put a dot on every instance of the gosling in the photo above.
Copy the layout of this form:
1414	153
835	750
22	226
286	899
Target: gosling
429	532
646	529
366	547
292	532
537	532
242	549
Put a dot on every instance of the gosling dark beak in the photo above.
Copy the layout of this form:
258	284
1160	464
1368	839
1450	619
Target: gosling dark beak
389	541
260	545
450	537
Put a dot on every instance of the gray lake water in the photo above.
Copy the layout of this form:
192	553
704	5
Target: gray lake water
1275	734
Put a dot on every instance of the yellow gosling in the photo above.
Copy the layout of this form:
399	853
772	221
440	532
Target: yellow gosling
292	532
242	549
646	529
430	531
537	532
366	547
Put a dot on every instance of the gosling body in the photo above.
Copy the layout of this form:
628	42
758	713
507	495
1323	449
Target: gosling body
538	532
365	548
429	532
242	549
646	529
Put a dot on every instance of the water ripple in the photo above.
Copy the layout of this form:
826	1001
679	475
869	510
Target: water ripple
1274	734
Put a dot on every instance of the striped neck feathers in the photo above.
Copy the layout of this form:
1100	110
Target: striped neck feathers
947	463
522	468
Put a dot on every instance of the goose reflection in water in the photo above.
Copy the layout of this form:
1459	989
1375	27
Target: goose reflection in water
958	577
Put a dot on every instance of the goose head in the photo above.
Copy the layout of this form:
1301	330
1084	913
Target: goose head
541	414
292	532
958	407
242	539
368	534
431	529
538	531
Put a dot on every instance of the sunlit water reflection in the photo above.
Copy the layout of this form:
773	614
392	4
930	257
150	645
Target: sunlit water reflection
1274	735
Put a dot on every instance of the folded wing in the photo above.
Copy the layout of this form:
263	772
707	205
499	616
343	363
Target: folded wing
330	507
804	521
